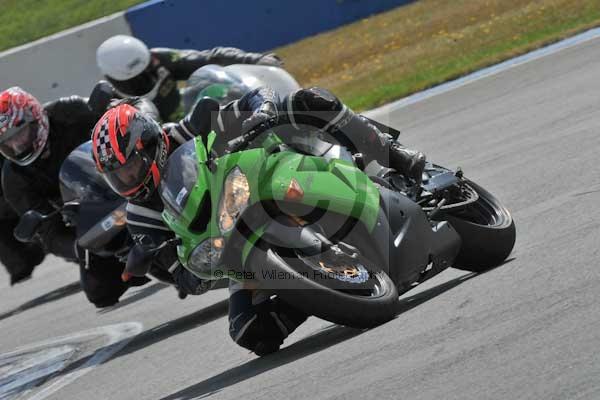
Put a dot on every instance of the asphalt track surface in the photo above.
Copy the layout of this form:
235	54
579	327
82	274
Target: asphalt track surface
529	329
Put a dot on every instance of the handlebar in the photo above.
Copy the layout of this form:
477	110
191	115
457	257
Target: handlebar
241	142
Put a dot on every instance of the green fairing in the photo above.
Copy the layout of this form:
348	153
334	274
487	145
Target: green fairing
335	185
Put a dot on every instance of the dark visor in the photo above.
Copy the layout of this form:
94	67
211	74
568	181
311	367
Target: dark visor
139	85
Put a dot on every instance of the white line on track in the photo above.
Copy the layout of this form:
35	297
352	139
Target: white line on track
117	337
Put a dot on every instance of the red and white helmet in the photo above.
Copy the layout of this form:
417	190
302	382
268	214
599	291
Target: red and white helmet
23	126
130	150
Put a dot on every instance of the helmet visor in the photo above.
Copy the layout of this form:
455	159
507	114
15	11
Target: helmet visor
128	179
139	85
18	143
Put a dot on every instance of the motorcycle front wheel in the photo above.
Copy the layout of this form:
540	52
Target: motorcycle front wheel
339	288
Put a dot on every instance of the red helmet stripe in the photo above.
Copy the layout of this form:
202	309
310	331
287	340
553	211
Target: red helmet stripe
131	191
126	113
155	174
167	142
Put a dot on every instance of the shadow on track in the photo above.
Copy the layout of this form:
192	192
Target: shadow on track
320	341
162	332
175	327
142	293
305	347
49	297
147	291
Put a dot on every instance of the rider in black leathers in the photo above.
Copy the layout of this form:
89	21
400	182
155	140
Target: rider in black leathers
35	185
135	70
256	321
18	258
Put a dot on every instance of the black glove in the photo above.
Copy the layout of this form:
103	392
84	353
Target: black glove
254	121
101	96
139	261
270	59
250	128
266	113
188	283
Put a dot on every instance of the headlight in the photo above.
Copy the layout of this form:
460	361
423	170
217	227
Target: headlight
206	255
236	194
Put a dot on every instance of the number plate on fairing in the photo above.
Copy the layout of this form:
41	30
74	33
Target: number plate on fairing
108	223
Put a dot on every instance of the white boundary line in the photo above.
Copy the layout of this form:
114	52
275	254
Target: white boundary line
489	71
117	335
69	31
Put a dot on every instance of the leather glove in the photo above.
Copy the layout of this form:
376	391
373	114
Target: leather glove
271	59
188	283
266	112
254	121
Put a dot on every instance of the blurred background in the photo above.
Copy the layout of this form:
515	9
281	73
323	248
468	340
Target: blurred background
369	52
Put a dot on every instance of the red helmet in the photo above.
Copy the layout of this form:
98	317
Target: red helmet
130	150
23	126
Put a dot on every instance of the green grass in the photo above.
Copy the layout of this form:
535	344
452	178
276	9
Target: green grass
22	21
411	48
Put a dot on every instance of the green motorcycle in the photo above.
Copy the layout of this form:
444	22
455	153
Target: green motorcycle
331	239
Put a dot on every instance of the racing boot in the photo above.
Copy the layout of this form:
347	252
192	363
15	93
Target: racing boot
376	145
259	323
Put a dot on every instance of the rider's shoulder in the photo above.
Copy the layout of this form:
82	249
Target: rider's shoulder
66	108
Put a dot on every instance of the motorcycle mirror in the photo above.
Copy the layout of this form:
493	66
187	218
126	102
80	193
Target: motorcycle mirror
139	260
28	225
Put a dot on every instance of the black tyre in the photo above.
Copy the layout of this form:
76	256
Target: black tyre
487	231
369	300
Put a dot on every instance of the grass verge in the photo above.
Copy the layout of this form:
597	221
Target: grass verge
22	21
411	48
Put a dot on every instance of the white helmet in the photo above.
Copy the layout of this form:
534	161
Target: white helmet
122	57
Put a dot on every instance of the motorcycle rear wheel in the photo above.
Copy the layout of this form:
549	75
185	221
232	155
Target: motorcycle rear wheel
486	228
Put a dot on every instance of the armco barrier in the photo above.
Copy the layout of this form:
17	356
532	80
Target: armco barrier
62	64
251	25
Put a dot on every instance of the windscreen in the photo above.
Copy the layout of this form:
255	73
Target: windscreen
80	180
179	177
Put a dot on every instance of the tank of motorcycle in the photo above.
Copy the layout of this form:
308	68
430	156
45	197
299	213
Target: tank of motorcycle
226	84
80	180
254	76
